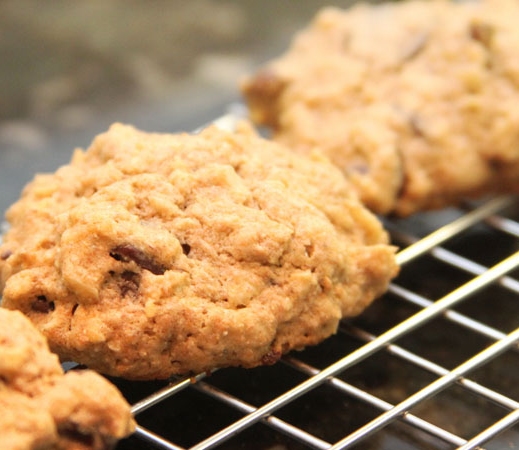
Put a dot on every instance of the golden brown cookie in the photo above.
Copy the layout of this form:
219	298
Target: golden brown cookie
43	408
156	254
416	101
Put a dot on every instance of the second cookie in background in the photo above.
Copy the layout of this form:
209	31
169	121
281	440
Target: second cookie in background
416	101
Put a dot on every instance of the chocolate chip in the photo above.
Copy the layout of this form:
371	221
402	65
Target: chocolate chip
42	305
129	283
361	168
5	254
263	92
482	32
266	84
186	248
71	432
414	46
271	357
128	252
416	126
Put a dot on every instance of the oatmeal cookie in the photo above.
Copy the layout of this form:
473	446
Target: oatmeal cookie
158	254
43	408
416	101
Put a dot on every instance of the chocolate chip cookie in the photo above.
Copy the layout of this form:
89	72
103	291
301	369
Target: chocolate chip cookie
43	408
158	254
415	101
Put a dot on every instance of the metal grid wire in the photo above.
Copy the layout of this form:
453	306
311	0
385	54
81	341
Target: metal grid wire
431	365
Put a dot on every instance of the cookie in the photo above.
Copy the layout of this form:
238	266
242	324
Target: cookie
153	254
43	408
415	101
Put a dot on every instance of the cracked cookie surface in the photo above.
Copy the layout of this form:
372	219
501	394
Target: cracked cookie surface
158	254
416	101
43	408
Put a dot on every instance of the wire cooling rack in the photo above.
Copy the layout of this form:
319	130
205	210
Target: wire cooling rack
431	365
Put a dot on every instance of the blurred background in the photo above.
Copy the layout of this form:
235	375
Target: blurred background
70	68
